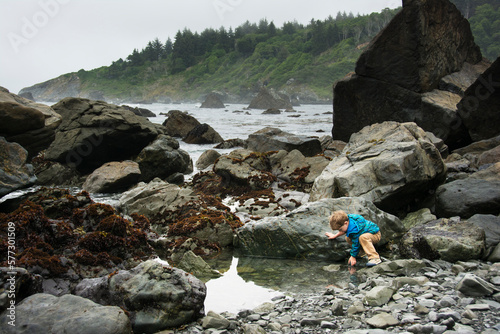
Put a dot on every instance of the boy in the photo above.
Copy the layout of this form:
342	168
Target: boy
359	232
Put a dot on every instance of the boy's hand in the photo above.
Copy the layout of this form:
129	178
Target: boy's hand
352	261
330	235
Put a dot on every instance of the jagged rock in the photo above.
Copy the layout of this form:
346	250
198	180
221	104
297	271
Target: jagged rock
468	197
44	313
94	132
179	124
267	99
378	296
213	101
113	177
398	76
163	158
203	134
195	265
447	239
243	167
55	174
490	224
139	111
492	173
382	320
154	197
417	218
472	285
35	130
301	233
207	158
479	107
15	173
157	296
55	89
274	139
390	164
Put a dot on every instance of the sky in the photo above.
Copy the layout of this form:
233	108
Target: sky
43	39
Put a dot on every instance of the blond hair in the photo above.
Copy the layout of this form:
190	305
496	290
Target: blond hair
337	219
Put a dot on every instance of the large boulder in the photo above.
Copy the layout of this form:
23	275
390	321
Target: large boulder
157	296
213	101
447	239
301	233
479	107
424	43
30	124
153	198
268	98
389	164
15	173
179	124
274	139
491	227
94	132
44	313
203	134
163	158
113	177
467	197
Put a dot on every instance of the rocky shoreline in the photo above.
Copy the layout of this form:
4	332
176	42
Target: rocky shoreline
428	175
398	296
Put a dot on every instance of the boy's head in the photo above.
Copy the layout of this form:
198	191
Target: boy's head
337	219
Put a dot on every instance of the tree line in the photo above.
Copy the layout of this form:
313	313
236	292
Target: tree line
189	47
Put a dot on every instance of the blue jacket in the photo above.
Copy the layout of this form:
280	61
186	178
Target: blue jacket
358	225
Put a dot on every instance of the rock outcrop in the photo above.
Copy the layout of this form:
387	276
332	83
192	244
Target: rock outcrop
30	124
300	234
391	164
203	134
163	158
274	139
113	177
44	313
479	108
94	132
399	77
15	173
268	98
213	101
179	124
157	296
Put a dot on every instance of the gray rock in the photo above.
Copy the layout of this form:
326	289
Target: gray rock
382	320
468	197
472	285
94	132
195	265
273	139
491	227
203	134
179	124
163	158
157	296
390	164
15	173
207	158
113	177
44	313
378	296
448	239
213	101
214	320
154	198
478	109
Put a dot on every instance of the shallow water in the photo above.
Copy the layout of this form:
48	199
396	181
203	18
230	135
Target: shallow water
247	282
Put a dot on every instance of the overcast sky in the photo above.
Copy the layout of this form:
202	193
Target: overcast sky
42	39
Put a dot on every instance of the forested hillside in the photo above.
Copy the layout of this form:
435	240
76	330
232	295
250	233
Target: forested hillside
301	60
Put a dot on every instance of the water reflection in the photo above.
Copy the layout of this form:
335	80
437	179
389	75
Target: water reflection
248	282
